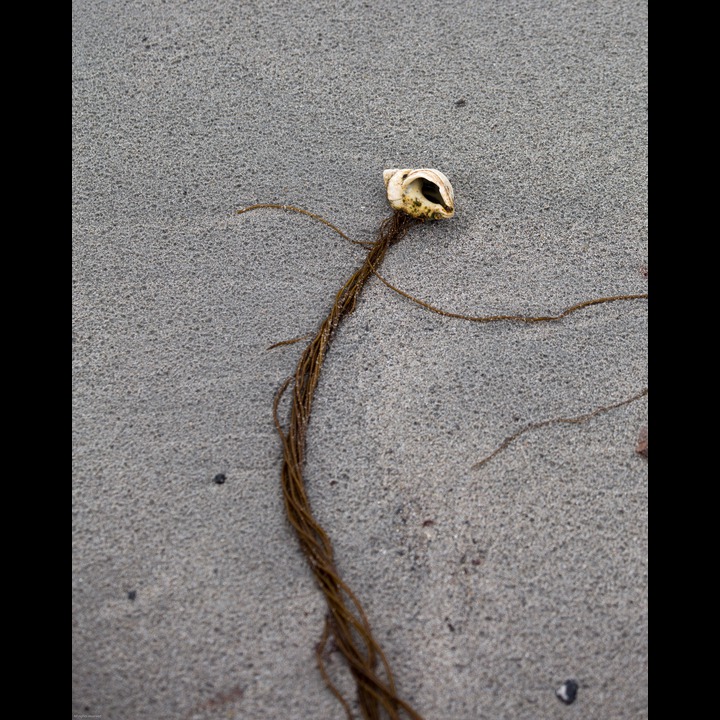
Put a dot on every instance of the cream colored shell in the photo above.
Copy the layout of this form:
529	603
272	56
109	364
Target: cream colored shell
422	193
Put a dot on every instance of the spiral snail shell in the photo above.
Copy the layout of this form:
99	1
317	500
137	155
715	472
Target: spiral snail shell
421	192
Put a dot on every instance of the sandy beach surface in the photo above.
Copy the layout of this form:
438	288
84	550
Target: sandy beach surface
488	587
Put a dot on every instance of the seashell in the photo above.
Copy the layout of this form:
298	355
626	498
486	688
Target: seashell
422	193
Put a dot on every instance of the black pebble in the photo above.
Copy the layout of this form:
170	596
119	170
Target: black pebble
132	595
219	478
567	692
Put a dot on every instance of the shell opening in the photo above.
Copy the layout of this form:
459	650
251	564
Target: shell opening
432	192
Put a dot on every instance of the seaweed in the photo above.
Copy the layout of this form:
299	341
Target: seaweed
346	623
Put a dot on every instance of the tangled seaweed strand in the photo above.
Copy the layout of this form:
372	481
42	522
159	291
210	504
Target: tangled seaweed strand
346	622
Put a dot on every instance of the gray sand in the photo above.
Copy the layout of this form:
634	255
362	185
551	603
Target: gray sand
487	588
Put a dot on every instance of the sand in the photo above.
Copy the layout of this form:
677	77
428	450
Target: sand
488	588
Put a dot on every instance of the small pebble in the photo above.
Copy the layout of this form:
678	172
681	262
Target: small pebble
132	595
219	479
567	692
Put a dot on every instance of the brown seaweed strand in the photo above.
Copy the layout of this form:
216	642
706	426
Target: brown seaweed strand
302	211
511	318
445	313
347	624
576	419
